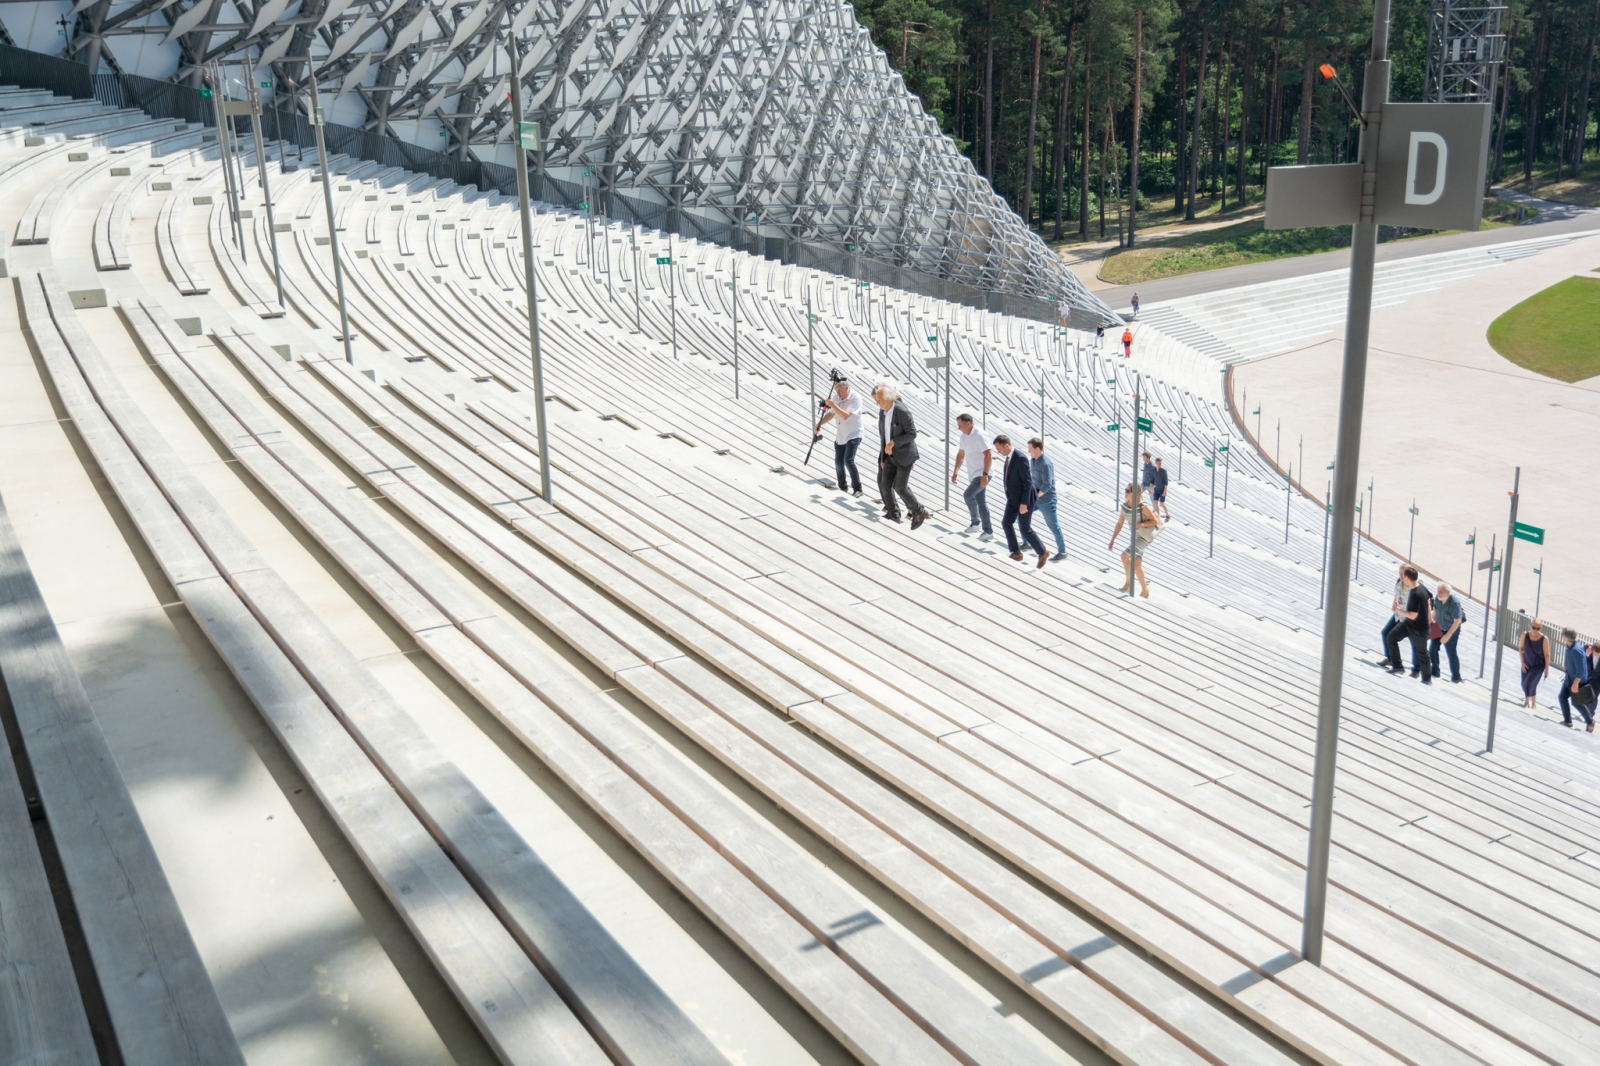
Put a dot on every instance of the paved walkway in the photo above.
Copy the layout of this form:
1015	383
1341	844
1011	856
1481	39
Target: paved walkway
1563	218
1447	419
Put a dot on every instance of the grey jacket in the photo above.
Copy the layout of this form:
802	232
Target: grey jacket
902	433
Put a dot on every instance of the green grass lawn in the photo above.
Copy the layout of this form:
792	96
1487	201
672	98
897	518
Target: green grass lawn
1555	332
1248	242
1227	246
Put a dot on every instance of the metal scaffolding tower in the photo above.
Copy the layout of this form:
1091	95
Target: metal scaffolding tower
1465	50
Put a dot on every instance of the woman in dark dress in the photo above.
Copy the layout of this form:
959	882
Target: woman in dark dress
1535	648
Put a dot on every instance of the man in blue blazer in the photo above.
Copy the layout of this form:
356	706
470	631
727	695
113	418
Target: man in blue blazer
1020	497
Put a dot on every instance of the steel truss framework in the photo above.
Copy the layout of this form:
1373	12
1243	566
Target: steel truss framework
1465	48
779	117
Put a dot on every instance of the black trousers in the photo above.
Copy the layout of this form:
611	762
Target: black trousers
896	481
1419	649
1568	701
1016	517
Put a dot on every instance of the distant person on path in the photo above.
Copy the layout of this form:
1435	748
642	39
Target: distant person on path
1135	305
845	406
1413	625
1535	649
1044	487
1100	336
1127	343
898	433
1019	501
1145	528
1448	614
1158	491
1575	675
977	454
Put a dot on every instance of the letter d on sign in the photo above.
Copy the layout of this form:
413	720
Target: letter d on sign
1419	138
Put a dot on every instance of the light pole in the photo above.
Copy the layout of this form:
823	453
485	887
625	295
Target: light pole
1411	542
733	293
1211	533
327	202
527	139
1472	567
1492	565
633	243
1538	590
1138	487
1322	574
1347	462
1500	615
266	188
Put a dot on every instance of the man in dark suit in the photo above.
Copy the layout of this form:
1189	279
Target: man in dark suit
1020	496
897	441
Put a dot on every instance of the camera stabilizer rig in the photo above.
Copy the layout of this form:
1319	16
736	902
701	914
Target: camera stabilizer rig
835	378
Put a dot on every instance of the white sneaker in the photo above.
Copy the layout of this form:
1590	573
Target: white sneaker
972	529
986	536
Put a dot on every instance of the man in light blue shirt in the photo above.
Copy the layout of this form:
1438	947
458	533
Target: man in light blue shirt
1044	483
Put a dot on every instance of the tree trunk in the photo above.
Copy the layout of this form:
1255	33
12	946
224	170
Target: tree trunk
1583	97
1505	96
1227	124
1179	132
1244	115
1105	144
1218	133
1137	121
1033	126
1083	157
1306	96
988	102
1535	105
1058	178
1194	133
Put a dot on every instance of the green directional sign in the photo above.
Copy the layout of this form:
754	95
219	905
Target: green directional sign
320	118
583	207
1531	534
1112	427
1472	539
1145	424
933	340
666	260
1222	447
813	318
205	94
1537	570
528	136
1256	411
266	85
1209	463
1111	381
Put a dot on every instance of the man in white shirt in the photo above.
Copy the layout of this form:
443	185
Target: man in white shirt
976	455
845	407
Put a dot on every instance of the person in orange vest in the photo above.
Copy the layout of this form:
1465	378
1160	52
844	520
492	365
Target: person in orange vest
1127	342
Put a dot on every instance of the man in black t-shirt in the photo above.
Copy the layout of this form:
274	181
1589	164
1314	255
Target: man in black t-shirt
1415	616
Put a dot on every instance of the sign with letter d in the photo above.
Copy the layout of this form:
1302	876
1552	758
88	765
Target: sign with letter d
1432	159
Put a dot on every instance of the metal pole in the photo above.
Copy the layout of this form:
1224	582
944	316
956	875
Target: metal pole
1347	463
1288	495
1211	534
1488	595
947	469
266	189
1411	542
1041	404
1500	615
983	377
733	291
222	152
1472	567
536	362
811	351
633	240
1180	447
1138	487
1538	590
1227	473
1322	576
333	229
672	295
910	362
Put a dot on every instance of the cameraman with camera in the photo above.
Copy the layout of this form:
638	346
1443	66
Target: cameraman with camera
844	406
